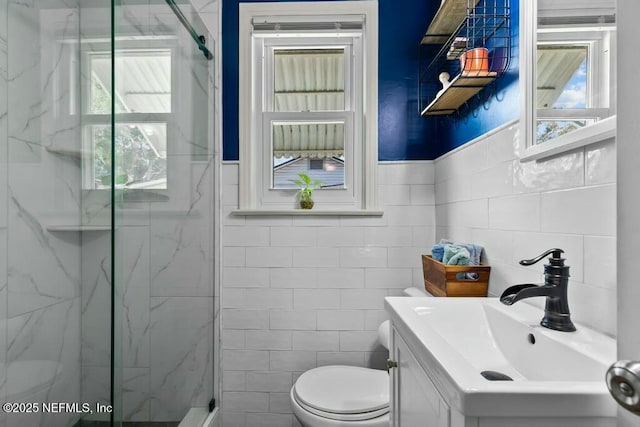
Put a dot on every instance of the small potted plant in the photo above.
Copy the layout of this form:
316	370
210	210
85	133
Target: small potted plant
306	185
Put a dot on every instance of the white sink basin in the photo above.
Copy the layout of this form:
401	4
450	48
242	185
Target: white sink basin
455	339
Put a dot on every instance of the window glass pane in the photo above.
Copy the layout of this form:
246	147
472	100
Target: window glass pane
562	76
143	82
298	148
549	129
141	160
562	83
316	164
309	79
100	102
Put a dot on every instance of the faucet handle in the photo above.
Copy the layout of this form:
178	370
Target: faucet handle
555	256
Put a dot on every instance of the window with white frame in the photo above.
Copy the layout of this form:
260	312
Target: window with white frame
574	79
308	103
143	105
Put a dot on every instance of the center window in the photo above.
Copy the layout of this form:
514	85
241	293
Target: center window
308	77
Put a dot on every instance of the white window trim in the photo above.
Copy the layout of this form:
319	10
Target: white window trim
602	130
249	177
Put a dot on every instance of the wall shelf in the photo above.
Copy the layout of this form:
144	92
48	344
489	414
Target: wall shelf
447	20
460	90
459	26
76	227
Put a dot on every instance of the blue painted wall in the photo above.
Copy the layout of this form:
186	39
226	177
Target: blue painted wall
502	105
402	133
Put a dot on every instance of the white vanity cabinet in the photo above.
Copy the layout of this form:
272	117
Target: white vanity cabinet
425	394
415	401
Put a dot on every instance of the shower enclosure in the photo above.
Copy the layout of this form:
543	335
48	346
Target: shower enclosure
107	213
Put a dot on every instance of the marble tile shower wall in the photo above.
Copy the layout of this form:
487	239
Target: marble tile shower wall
209	12
39	269
301	292
3	198
517	210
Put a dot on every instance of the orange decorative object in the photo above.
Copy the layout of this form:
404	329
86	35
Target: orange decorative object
475	62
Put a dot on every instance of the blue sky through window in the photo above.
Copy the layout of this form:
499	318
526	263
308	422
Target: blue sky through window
574	94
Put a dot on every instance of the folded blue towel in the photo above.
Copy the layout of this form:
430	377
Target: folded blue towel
437	252
475	252
455	255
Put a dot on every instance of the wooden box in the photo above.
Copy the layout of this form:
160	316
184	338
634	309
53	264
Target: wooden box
442	280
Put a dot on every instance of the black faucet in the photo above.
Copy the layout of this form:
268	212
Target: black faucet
556	279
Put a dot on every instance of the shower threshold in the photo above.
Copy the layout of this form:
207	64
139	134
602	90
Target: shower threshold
84	423
200	417
196	417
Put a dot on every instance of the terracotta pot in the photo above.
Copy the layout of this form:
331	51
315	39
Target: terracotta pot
475	61
306	204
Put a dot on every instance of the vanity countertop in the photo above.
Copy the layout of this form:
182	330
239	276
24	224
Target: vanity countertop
555	374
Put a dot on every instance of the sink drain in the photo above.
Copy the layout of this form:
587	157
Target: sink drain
495	376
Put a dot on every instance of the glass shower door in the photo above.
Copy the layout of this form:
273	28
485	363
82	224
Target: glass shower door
163	201
106	212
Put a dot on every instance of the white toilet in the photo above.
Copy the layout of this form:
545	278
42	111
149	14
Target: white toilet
345	396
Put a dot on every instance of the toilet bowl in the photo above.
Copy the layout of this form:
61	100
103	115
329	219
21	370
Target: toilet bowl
345	396
339	395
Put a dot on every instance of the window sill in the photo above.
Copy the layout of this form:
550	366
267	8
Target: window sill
305	212
604	129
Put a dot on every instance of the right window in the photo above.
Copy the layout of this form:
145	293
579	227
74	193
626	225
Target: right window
573	78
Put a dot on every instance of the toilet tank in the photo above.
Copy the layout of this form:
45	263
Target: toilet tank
384	330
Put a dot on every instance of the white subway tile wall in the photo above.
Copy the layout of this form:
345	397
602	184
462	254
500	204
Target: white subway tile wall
301	292
517	210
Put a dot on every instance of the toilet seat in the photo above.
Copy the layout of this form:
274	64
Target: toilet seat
344	417
344	393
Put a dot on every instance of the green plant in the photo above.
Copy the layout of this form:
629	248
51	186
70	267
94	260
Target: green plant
306	185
